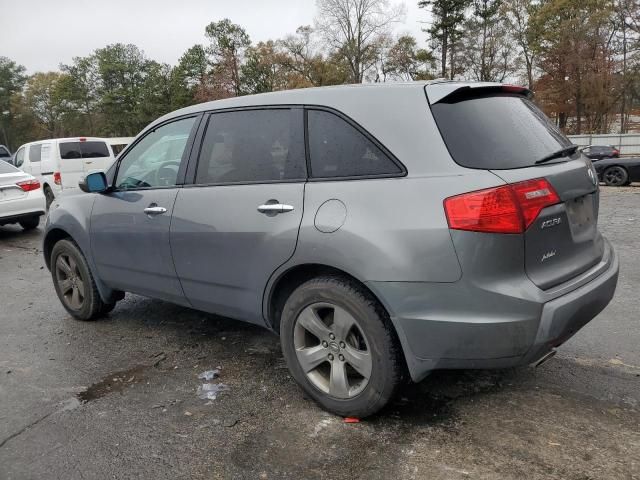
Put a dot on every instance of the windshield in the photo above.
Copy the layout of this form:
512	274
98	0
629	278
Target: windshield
496	132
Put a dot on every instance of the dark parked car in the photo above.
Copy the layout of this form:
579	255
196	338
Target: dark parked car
382	231
5	154
598	152
617	172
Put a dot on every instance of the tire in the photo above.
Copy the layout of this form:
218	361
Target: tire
615	176
74	283
49	196
30	223
370	344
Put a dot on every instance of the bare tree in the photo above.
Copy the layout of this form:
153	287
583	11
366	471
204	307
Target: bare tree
517	17
353	28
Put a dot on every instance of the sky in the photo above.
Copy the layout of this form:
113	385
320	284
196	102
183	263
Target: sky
41	34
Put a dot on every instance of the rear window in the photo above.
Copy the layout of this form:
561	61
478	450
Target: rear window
4	153
71	150
7	168
496	132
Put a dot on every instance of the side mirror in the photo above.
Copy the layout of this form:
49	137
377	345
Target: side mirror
94	182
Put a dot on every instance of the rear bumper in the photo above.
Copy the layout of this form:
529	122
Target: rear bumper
13	211
464	325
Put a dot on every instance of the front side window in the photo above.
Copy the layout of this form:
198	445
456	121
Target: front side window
20	157
35	152
338	149
252	146
155	160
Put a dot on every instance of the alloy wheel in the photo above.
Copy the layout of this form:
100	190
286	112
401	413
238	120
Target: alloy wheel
614	176
70	283
332	350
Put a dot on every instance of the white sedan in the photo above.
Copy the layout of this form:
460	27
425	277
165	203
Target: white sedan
21	198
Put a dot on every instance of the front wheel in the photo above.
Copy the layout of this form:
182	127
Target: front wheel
340	346
615	176
74	283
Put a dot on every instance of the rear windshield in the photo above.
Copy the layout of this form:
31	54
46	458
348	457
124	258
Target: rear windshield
7	168
4	152
496	132
71	150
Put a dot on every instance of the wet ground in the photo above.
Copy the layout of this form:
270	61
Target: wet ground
118	398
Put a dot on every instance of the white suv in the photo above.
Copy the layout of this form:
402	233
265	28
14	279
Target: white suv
61	163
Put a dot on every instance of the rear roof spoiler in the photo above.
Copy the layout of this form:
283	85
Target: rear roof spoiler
437	92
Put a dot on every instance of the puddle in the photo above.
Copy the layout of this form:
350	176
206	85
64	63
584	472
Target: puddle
114	382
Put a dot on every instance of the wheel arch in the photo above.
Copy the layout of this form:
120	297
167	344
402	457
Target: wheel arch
52	237
287	281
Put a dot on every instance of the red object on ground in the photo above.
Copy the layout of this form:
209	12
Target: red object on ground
351	420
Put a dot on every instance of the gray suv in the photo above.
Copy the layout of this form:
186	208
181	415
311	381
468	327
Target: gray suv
383	231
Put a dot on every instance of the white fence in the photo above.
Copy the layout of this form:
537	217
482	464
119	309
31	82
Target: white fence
628	144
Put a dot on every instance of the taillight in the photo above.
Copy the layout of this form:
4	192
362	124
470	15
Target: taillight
57	178
616	151
29	185
506	209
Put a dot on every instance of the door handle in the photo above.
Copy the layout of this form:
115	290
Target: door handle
155	210
275	208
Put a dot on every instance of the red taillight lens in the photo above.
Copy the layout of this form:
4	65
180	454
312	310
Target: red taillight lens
57	178
29	185
533	196
616	151
508	209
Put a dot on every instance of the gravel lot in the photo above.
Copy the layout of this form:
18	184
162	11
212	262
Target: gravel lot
117	398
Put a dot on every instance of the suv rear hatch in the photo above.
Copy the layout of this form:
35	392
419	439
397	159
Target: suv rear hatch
498	128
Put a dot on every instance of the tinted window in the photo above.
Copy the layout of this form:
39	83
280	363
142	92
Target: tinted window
338	149
252	146
496	132
155	160
7	168
4	152
94	149
70	150
35	152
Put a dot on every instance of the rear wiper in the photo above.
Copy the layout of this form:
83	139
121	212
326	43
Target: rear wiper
560	153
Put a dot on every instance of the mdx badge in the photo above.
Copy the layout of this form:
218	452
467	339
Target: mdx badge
548	255
551	223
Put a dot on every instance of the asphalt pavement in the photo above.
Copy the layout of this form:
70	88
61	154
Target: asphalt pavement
118	398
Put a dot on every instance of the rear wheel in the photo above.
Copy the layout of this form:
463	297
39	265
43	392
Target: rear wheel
74	283
340	346
615	176
49	196
30	223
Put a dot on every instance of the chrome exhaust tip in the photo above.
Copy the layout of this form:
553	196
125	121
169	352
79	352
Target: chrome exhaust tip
547	356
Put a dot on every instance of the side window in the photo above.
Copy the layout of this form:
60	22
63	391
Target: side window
19	157
155	160
94	149
252	146
35	152
338	149
4	153
70	150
